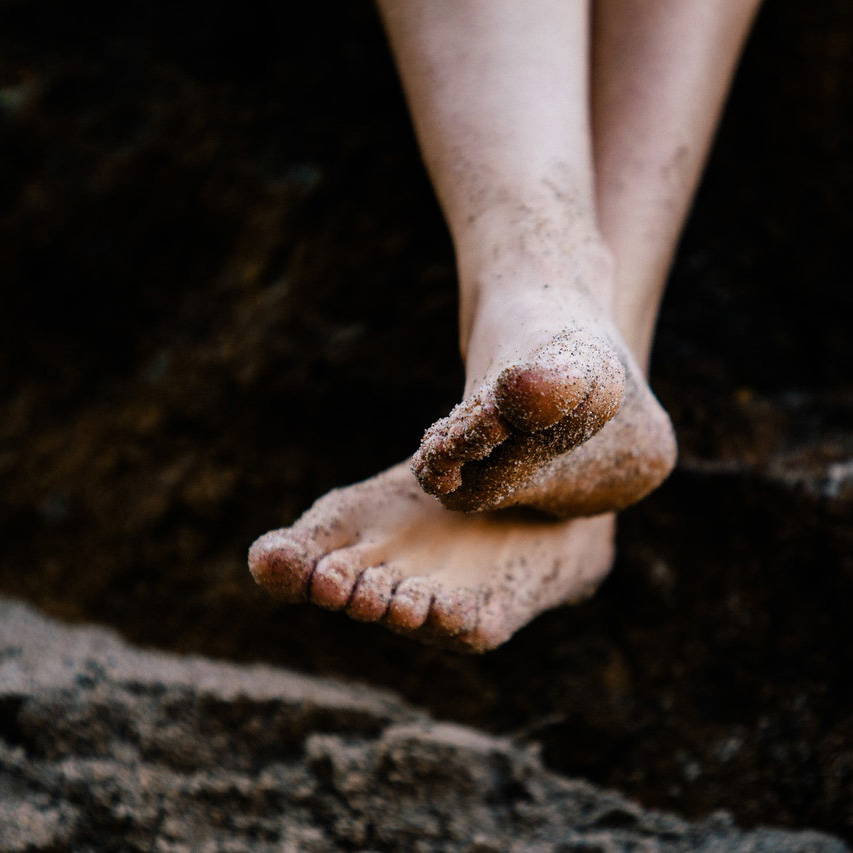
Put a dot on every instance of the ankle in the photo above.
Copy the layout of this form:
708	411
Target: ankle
504	262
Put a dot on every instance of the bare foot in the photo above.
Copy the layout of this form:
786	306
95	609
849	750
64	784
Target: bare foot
383	551
630	456
557	414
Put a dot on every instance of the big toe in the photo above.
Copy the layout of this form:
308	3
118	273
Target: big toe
282	565
533	397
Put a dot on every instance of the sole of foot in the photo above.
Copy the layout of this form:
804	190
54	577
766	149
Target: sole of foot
383	551
625	460
548	375
574	430
495	440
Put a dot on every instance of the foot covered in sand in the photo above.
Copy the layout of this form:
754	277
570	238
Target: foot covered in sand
548	375
383	551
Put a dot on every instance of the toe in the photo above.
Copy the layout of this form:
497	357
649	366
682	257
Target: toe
453	611
372	595
534	397
282	565
435	478
471	431
475	432
410	604
335	576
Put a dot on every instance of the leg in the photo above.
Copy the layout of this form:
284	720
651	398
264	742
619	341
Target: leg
384	551
661	69
499	96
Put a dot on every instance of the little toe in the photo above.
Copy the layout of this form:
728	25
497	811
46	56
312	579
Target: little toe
476	432
372	594
335	576
282	565
453	611
410	604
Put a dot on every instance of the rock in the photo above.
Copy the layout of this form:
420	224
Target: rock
106	747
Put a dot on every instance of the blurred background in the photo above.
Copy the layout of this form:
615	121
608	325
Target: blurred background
228	288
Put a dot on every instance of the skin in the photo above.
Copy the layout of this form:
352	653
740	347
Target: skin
384	551
564	209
